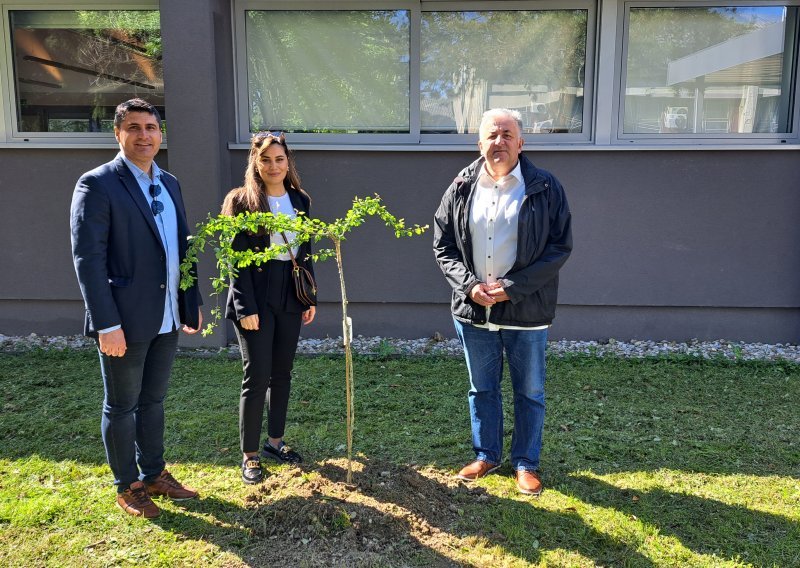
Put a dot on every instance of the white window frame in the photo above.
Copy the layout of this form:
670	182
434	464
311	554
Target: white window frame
413	139
9	129
734	140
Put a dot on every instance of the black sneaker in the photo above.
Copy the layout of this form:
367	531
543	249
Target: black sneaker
251	471
284	455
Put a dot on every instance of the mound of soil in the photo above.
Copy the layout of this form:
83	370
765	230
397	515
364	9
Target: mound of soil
389	516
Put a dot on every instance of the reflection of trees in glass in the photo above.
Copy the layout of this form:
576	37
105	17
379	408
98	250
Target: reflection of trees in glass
73	67
140	29
660	35
322	71
543	51
123	39
675	82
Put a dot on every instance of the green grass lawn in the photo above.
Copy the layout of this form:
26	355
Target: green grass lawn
663	462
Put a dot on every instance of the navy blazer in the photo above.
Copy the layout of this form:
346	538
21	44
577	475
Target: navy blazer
118	254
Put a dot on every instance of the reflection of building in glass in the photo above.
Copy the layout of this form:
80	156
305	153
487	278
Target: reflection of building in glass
468	65
72	68
543	110
736	86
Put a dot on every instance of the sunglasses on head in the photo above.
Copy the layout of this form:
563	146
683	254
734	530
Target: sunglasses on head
279	136
156	206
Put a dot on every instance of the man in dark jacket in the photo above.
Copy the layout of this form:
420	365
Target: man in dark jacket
129	234
501	234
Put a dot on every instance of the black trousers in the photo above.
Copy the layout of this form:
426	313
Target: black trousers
267	359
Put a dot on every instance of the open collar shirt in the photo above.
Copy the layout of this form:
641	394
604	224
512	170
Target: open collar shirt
494	227
493	223
167	223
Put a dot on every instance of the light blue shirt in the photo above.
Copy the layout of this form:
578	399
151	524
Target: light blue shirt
167	223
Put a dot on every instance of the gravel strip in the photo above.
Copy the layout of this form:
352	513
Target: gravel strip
438	345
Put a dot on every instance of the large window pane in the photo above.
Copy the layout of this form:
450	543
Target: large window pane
328	72
72	68
708	70
532	61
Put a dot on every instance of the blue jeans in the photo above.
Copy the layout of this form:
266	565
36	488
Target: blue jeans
525	350
132	426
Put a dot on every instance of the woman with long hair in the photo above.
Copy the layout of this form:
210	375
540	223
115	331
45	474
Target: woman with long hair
262	302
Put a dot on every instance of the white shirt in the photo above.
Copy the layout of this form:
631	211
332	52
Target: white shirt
282	204
493	223
494	227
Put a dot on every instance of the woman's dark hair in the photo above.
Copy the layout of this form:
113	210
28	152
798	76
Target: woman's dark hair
252	196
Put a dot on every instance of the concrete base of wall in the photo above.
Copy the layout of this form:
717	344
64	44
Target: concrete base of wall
751	325
764	325
65	317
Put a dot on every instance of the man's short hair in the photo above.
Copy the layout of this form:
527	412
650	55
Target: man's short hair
134	105
515	114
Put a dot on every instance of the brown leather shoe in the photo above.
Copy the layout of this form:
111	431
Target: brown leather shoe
476	470
167	486
135	501
529	482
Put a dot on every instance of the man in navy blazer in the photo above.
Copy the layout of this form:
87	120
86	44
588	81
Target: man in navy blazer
129	234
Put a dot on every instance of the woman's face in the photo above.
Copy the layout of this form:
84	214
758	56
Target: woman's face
273	165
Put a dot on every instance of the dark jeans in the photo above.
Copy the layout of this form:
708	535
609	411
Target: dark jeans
135	386
267	359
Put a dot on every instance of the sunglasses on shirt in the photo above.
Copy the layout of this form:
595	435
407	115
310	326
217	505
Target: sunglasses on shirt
156	206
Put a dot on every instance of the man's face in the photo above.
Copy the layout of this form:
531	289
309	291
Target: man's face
500	143
139	137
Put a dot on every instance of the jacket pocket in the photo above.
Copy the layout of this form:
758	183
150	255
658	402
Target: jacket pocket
119	281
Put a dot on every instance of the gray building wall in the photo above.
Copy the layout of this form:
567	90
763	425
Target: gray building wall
669	244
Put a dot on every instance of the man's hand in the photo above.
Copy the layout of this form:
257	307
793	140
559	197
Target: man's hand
496	291
480	294
190	330
308	315
250	323
112	343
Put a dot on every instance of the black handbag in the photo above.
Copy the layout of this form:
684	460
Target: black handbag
304	286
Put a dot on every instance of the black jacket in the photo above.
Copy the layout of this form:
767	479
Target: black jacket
544	244
247	294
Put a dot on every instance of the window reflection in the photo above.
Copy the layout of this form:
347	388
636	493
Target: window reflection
328	72
531	61
714	71
73	67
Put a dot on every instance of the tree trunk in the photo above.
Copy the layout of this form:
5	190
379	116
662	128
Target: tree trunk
347	335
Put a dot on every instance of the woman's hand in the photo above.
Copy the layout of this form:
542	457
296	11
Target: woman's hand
308	315
250	323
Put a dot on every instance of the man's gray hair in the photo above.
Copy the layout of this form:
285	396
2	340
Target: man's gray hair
515	114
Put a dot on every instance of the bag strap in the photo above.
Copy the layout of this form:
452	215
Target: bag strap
291	255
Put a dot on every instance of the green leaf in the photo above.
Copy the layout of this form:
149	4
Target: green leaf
218	232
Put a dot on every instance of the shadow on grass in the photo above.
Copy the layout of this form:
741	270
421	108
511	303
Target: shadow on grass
51	407
208	520
301	530
396	510
740	533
